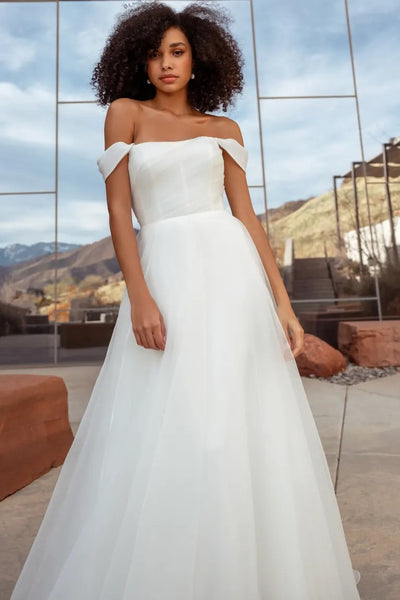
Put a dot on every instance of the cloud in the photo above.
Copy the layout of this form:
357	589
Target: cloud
370	10
27	114
302	49
15	51
91	216
27	219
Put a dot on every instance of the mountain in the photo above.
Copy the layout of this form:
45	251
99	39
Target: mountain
92	259
96	259
274	214
15	253
310	223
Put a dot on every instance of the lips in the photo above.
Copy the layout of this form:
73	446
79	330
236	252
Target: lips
168	77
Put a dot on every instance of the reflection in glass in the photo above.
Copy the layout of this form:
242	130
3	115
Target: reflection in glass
89	286
375	31
302	48
91	282
27	96
84	27
27	279
82	203
306	142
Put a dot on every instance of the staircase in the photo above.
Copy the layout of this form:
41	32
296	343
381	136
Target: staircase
311	279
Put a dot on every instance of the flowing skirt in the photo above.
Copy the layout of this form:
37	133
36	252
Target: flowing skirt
197	472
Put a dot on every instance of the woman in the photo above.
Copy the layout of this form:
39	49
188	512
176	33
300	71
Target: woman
197	472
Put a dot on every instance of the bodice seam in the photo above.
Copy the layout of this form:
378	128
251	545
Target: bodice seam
198	137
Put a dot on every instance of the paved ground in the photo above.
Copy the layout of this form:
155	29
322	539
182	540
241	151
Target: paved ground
360	431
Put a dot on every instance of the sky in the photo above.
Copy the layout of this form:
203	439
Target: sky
302	49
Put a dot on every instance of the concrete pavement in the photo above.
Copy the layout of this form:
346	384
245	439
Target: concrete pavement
359	427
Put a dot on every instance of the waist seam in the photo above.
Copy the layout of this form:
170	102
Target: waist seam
202	213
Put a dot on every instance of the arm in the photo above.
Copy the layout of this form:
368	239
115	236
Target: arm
240	202
146	318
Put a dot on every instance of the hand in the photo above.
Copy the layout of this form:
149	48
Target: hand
148	323
292	328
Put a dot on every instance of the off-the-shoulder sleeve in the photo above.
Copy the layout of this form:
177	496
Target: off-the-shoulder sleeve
236	150
111	157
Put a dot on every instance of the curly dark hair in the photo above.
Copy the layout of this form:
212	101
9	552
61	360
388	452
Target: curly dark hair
218	62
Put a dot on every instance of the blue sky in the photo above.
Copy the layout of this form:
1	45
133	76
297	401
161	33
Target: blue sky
302	49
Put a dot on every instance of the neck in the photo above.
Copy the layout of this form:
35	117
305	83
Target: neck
176	103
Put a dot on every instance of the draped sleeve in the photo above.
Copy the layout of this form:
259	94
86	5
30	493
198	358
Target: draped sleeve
235	150
111	157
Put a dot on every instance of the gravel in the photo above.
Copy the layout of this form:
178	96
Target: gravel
356	374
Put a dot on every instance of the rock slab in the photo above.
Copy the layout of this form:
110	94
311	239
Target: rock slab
35	433
319	358
371	343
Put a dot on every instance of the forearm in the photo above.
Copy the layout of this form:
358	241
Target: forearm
126	249
264	249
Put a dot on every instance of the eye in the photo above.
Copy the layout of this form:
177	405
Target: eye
178	52
153	54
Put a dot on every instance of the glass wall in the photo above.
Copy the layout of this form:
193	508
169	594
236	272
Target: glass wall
323	110
27	181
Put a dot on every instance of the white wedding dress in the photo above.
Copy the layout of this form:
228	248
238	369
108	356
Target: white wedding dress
197	472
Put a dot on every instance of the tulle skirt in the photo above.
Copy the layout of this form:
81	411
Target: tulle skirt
197	472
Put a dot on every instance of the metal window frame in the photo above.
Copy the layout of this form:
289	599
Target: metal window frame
260	99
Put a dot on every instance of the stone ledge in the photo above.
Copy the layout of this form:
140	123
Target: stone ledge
35	431
371	343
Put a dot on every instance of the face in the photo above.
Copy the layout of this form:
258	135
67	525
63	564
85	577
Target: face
170	66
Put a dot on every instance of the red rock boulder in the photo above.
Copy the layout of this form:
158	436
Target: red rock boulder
319	358
35	433
371	343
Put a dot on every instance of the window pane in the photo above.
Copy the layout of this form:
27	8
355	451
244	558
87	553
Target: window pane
83	220
302	47
83	216
375	33
306	144
26	279
27	96
84	27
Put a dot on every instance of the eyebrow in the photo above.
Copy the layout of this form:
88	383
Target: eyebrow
173	45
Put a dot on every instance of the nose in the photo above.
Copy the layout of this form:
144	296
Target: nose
165	63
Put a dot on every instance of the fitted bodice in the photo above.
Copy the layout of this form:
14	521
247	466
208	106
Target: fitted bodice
174	178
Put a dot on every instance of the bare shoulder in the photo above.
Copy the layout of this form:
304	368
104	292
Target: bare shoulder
121	118
227	128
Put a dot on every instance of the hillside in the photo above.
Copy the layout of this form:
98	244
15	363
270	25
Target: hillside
90	275
97	258
275	214
87	276
314	222
309	222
